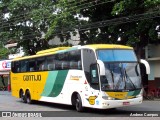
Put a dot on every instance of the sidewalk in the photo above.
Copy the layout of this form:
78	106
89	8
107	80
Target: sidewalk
5	93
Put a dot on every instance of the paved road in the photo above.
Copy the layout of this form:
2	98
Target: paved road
9	103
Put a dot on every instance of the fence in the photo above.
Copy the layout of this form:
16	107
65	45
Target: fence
151	94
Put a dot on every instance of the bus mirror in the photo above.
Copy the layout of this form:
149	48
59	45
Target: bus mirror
101	67
146	65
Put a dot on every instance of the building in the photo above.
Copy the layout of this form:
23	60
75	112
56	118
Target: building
75	39
153	57
14	51
5	65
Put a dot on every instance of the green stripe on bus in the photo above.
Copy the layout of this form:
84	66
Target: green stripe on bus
49	83
130	93
136	92
133	93
58	85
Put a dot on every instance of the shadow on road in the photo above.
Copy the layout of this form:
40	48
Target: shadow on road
69	111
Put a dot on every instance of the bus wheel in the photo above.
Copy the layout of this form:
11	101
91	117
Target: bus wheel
79	106
22	96
28	97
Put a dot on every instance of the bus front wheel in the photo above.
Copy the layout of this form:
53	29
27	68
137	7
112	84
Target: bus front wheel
78	104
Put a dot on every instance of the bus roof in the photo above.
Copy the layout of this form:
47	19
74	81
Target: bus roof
60	49
109	46
51	50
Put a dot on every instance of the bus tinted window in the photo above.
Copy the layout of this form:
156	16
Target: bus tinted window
59	61
50	63
75	59
32	65
116	55
24	64
65	65
15	67
41	64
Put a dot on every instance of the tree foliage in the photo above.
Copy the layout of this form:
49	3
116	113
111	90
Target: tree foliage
27	22
137	28
3	52
33	22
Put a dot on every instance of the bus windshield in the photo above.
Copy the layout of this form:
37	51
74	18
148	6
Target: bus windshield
122	70
116	55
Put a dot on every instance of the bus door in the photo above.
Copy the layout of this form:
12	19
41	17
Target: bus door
91	71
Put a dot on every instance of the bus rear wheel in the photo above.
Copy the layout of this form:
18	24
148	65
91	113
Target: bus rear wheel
28	97
78	104
22	96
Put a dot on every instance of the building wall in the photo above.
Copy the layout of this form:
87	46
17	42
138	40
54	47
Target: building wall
153	57
73	41
153	51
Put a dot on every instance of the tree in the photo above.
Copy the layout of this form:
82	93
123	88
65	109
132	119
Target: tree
64	20
129	22
3	52
139	32
27	22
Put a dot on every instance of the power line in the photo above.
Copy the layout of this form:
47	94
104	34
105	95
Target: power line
116	21
70	11
105	23
27	13
124	19
61	15
101	25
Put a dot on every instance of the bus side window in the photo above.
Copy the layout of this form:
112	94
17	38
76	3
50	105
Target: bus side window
73	65
58	65
75	59
24	64
31	69
51	66
94	74
42	67
15	67
79	65
65	65
32	65
40	64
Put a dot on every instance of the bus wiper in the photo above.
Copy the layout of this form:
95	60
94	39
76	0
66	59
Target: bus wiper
118	83
129	79
111	72
112	78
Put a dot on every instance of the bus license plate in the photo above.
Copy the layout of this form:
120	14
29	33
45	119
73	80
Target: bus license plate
126	103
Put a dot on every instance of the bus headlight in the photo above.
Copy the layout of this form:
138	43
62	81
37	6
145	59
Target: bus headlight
107	98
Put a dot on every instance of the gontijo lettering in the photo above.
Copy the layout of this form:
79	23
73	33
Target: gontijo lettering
32	77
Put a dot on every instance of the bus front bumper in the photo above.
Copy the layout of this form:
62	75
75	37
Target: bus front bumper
106	104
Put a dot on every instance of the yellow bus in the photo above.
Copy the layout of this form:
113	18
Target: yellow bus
99	76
